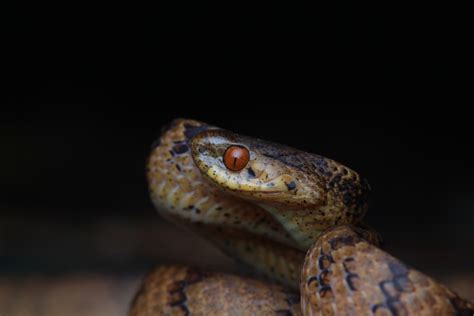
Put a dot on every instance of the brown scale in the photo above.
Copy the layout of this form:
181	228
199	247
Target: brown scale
175	290
345	273
272	203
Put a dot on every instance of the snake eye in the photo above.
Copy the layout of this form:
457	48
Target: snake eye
236	157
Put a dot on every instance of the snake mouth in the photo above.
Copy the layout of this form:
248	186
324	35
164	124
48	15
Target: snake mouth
260	192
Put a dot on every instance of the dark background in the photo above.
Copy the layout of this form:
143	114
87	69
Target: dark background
87	87
79	165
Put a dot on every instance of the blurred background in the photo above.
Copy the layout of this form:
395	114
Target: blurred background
87	88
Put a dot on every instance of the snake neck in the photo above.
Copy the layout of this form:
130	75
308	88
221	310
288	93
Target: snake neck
302	228
306	226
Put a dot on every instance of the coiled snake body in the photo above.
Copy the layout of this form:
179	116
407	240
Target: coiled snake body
293	216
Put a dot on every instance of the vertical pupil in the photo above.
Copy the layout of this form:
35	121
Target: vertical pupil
236	158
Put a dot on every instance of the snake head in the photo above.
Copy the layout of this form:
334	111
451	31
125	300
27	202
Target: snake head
277	175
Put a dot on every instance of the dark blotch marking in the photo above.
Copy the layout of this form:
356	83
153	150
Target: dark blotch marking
313	279
181	298
391	289
178	167
291	185
180	148
325	291
397	268
395	306
192	130
324	261
377	306
320	164
346	265
339	242
288	158
400	276
347	198
403	284
251	173
323	277
350	276
350	280
283	312
192	276
354	194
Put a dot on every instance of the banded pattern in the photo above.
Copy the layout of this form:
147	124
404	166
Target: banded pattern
267	215
346	274
176	290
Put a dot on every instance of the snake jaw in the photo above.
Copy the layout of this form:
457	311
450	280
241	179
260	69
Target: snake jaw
265	178
305	191
235	182
255	188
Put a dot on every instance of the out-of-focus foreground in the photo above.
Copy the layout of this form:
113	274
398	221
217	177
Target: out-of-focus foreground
107	265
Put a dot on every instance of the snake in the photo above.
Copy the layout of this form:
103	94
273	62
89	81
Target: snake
293	218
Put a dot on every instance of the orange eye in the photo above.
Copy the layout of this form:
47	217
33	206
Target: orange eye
236	158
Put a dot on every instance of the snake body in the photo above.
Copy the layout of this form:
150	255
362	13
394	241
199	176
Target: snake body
294	217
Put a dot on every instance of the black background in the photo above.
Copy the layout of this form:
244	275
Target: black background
326	51
80	164
88	87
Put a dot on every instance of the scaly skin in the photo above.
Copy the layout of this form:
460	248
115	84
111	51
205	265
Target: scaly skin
345	274
267	216
179	290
